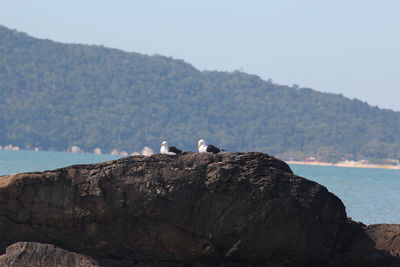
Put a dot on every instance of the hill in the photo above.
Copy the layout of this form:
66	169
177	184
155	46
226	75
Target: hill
55	95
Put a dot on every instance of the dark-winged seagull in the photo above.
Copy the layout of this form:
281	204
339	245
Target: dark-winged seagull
203	148
169	150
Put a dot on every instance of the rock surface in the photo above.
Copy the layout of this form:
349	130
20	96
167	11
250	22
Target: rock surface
375	245
43	255
244	209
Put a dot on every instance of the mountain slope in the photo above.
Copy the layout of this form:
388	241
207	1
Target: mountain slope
55	95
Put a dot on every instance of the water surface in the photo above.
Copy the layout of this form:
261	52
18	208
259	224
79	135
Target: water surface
370	195
30	161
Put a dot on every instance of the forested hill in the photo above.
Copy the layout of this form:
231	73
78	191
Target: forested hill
55	95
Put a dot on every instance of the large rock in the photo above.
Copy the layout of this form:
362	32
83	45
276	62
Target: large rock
236	208
374	245
43	255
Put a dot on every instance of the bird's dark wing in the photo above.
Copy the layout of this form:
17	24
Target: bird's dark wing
213	149
175	150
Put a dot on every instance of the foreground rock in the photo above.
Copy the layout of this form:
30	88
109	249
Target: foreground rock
233	208
374	245
43	255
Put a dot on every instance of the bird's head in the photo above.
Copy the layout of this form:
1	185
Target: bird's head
164	143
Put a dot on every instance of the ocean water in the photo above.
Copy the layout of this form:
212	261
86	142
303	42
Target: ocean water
30	161
370	195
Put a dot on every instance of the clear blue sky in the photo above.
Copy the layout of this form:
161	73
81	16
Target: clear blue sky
347	47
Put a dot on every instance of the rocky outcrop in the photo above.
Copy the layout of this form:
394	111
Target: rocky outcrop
374	245
43	255
239	209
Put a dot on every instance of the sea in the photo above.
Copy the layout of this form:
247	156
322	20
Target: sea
370	195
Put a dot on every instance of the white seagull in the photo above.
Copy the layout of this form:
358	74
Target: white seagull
169	150
203	148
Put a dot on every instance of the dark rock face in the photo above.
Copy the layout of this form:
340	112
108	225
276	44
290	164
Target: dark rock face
375	245
43	255
237	208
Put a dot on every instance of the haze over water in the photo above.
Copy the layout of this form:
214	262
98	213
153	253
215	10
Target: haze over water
370	195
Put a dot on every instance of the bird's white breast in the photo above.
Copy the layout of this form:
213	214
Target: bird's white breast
163	150
202	148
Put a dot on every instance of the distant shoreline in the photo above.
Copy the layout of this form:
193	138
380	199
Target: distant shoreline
315	163
346	165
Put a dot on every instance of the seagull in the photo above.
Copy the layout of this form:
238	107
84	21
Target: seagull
203	147
169	150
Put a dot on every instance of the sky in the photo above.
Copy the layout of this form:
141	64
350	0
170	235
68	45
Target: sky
344	47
